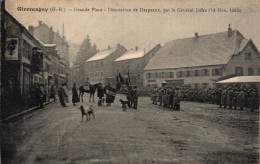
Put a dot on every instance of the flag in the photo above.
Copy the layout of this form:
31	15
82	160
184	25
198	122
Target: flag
129	81
122	81
118	84
111	92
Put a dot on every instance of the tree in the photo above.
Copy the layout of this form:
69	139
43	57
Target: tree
86	51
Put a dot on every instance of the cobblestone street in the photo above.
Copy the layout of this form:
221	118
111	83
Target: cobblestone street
199	133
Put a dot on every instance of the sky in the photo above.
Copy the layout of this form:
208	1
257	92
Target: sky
140	29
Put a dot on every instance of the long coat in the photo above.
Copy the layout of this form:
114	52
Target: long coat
75	96
63	95
241	98
41	94
100	92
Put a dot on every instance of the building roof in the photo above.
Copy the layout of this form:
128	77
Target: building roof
241	79
101	54
132	54
49	45
212	49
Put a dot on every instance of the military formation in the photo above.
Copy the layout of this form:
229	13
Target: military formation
168	97
224	96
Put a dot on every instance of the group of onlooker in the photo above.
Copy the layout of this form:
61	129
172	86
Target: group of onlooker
39	94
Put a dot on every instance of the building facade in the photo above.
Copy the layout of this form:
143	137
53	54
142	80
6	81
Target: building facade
200	61
55	70
22	61
99	67
48	37
133	62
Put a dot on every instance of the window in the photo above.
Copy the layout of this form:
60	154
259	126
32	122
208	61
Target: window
187	73
155	75
258	71
166	74
250	71
171	75
248	56
163	75
205	72
148	75
179	74
97	65
239	71
217	72
27	50
101	64
196	73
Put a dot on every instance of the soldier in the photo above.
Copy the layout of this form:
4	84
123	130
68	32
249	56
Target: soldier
152	96
218	96
253	99
224	98
235	94
135	96
241	98
178	99
230	97
160	96
155	96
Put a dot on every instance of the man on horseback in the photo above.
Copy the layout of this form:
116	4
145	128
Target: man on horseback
87	84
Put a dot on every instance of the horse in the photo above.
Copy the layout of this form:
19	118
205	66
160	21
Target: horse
91	91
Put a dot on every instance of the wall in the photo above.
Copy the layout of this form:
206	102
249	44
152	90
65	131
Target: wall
240	61
201	79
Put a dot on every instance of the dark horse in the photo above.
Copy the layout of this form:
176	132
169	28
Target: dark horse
91	91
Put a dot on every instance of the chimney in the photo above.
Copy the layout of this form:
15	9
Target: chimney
108	47
229	30
58	32
196	35
118	45
51	28
144	50
40	23
136	48
30	29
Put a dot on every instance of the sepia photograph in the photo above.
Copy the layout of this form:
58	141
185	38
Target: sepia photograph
130	81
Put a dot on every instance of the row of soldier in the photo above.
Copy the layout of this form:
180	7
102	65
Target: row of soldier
224	96
167	97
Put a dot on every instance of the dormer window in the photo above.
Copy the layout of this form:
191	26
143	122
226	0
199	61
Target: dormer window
248	56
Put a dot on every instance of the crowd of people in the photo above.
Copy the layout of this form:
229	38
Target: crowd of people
224	96
41	93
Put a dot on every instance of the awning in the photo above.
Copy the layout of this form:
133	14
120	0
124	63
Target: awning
241	79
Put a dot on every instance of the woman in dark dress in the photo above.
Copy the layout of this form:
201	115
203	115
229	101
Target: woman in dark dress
75	96
100	94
